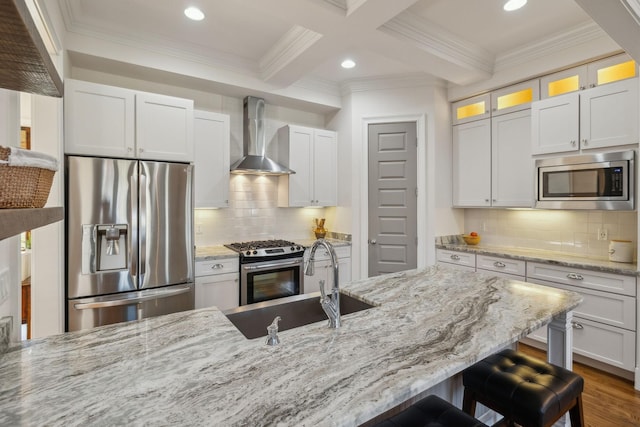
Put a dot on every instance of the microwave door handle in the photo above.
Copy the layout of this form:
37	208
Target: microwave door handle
601	182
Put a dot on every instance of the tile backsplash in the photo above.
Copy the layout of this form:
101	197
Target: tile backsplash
571	232
254	214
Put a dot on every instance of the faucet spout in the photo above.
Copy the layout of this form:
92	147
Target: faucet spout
330	302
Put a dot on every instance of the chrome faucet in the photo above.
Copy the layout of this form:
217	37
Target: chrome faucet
330	303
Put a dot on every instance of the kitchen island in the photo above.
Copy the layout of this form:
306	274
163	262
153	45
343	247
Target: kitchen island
195	368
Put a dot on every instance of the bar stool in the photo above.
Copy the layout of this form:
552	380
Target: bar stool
523	389
431	412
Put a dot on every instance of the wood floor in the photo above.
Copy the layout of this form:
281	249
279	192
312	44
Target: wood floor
609	401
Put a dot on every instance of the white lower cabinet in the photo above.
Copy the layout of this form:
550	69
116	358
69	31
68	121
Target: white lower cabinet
323	271
217	283
504	267
604	324
455	259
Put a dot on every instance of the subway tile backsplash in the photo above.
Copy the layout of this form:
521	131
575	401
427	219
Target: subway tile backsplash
571	232
254	214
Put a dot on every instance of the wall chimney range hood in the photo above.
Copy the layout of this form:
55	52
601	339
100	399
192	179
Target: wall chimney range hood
255	161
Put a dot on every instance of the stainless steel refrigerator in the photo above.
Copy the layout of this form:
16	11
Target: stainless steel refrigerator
129	240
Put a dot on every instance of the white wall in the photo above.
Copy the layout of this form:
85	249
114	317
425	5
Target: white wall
10	247
47	249
422	100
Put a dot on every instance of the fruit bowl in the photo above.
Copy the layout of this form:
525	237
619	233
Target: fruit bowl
471	240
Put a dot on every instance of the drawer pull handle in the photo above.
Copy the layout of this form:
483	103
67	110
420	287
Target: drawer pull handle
217	266
575	276
455	257
576	325
499	264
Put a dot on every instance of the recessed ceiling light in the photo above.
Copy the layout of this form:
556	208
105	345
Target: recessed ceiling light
194	13
514	5
348	63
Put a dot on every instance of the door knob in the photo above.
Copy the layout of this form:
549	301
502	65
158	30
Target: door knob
372	241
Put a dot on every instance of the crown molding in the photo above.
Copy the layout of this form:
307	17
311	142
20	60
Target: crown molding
295	42
434	39
575	36
633	7
340	4
400	81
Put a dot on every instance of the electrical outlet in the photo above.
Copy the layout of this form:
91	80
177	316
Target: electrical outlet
4	285
602	234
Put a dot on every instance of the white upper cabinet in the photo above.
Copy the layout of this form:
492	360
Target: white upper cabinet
98	119
604	116
312	154
511	162
109	121
211	164
472	164
492	163
604	71
609	115
555	124
514	98
164	127
471	109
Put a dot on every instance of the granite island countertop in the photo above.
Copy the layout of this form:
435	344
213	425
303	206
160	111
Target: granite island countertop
546	257
195	368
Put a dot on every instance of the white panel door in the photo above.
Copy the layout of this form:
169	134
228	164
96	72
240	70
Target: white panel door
211	163
512	166
609	115
325	171
164	128
301	161
472	164
99	120
555	124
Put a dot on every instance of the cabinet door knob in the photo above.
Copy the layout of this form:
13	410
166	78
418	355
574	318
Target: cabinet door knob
486	200
584	141
373	241
575	276
499	264
217	266
576	325
455	257
573	143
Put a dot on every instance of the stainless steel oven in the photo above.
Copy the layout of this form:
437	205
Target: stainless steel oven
269	269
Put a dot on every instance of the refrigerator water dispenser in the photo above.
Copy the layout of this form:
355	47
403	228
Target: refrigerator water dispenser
104	247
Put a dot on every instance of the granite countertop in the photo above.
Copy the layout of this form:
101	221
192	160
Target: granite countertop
205	253
546	257
195	368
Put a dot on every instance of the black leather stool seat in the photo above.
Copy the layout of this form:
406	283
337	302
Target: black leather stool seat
431	412
523	389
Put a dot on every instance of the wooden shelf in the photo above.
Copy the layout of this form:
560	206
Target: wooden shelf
15	221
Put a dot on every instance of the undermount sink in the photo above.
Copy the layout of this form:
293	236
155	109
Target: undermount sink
252	320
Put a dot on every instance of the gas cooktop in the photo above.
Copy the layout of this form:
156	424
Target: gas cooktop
262	248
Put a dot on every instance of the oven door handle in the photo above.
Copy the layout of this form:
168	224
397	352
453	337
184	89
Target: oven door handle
274	265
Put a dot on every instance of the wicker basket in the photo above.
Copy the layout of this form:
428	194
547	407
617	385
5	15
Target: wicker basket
23	187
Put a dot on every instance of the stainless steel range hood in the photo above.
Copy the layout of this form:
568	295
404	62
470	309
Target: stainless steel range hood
255	160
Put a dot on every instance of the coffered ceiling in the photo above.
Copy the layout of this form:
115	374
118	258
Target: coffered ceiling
284	42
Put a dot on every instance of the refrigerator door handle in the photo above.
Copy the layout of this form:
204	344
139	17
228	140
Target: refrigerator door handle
133	235
162	293
142	232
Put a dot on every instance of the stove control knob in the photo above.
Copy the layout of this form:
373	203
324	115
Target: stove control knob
248	253
293	248
298	247
255	252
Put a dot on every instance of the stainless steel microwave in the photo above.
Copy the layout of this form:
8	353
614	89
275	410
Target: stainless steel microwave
599	181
